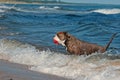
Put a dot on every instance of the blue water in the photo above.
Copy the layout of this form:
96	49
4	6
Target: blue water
27	31
31	24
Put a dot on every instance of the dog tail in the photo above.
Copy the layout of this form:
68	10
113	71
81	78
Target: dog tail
111	39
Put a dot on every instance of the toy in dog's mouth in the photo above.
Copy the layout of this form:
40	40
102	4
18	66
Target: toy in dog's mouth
55	41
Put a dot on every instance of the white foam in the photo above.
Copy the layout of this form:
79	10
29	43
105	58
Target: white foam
3	6
49	8
107	11
57	7
70	66
2	10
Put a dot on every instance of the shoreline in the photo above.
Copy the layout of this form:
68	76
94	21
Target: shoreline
14	71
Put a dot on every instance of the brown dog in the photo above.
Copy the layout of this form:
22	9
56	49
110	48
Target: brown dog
78	47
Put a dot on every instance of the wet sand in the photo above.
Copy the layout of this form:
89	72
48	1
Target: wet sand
13	71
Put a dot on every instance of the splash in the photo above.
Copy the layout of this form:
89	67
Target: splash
93	67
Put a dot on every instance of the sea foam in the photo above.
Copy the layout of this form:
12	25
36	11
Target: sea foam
107	11
92	67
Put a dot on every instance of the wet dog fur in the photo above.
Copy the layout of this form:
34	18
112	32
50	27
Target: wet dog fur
79	47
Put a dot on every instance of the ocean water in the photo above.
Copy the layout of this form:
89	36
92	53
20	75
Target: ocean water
27	30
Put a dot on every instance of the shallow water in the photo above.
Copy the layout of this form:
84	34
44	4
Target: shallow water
26	32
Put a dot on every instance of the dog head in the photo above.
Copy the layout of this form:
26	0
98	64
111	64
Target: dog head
60	38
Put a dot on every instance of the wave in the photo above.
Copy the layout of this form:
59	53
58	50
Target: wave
2	10
49	8
107	11
57	9
22	10
5	8
2	7
96	66
102	11
9	34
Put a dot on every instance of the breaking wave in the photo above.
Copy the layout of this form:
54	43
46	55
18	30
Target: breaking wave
1	10
57	9
93	67
49	8
107	11
5	8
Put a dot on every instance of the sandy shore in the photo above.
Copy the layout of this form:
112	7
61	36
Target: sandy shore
13	71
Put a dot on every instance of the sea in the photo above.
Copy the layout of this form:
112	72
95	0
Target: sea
27	31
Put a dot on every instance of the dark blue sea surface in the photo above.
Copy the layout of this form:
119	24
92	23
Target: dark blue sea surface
27	31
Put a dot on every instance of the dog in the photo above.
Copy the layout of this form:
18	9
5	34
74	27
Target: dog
79	47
